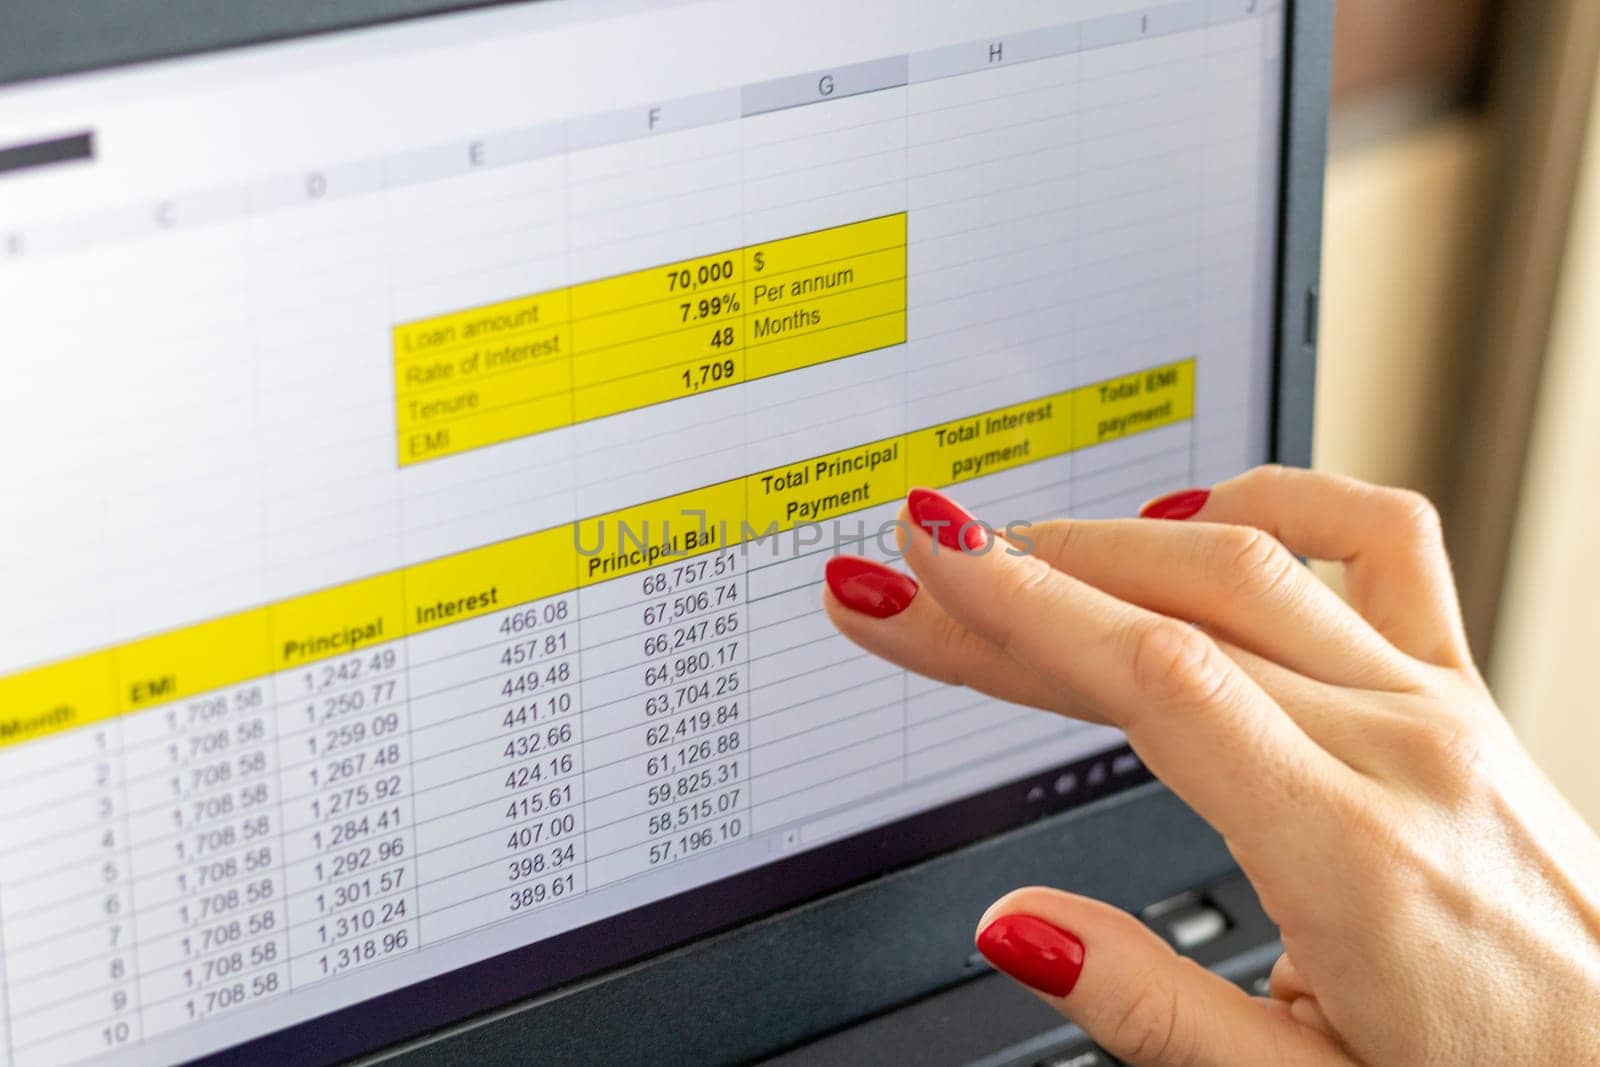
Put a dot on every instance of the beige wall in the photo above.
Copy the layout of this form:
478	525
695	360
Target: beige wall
1401	215
1549	632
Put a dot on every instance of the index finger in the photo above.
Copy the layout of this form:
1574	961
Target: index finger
1197	720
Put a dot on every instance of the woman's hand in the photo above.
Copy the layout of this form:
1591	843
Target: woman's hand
1439	901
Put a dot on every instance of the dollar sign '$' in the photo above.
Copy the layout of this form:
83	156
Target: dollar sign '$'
761	260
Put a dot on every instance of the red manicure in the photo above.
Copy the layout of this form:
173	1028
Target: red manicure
1038	955
949	522
868	587
1180	505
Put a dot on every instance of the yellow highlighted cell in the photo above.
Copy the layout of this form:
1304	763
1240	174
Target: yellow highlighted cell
662	320
702	374
337	621
807	349
477	325
431	373
990	442
777	292
489	579
1132	404
197	659
826	312
437	406
824	246
648	535
486	426
698	276
57	697
708	342
827	486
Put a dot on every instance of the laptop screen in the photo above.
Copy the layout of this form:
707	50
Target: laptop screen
422	445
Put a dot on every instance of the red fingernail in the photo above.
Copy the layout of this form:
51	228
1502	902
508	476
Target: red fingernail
1038	955
868	587
949	522
1179	505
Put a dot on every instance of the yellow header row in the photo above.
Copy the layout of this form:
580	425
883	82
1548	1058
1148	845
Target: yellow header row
519	367
425	596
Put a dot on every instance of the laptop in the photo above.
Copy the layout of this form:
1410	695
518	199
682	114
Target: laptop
424	430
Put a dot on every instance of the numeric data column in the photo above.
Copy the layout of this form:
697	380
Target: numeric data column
67	892
498	769
349	841
208	853
664	680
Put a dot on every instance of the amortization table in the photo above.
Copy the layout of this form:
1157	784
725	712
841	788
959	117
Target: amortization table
222	813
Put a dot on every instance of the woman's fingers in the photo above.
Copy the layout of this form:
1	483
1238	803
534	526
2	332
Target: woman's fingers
1285	982
878	608
1397	574
1239	581
1353	724
1198	722
1128	990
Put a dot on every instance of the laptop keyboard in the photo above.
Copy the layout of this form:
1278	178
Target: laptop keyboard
1219	925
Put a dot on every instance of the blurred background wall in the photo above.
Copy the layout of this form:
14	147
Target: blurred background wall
1460	342
1550	619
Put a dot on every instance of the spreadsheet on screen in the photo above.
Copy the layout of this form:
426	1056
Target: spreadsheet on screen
423	443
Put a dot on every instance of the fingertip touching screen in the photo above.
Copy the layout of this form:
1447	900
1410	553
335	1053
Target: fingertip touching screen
422	444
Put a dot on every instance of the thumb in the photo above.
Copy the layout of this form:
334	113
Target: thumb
1135	996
